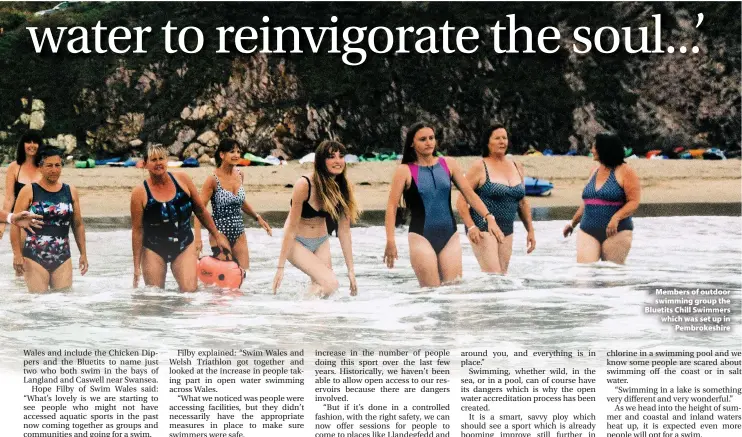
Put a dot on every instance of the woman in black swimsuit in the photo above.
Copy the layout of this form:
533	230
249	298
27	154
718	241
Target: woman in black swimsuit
161	230
22	171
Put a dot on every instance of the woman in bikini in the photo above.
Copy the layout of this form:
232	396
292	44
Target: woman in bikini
161	230
224	189
22	171
324	196
425	181
44	258
499	182
611	197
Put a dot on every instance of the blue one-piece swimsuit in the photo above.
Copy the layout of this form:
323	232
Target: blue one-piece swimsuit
429	202
601	205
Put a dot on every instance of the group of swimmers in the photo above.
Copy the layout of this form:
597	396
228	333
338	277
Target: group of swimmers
492	193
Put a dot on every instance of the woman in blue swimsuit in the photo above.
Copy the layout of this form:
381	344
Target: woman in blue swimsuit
610	197
44	257
425	181
320	202
224	190
499	182
161	230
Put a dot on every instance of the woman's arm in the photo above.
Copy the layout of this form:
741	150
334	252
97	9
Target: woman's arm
203	215
473	177
9	192
137	230
346	243
524	212
298	196
399	182
22	203
78	229
632	187
629	181
457	175
206	192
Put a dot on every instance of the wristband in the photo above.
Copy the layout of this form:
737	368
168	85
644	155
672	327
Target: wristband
9	218
470	228
489	214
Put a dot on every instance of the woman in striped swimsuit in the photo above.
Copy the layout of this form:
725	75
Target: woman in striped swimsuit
610	197
499	182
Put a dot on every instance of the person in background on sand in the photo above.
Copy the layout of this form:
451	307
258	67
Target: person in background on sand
324	196
224	189
425	181
22	171
161	229
45	258
500	183
610	198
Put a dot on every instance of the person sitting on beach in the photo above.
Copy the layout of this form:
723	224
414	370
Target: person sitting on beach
161	229
224	189
610	197
425	181
45	259
24	169
324	196
500	183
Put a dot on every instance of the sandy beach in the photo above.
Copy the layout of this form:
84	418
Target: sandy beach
105	191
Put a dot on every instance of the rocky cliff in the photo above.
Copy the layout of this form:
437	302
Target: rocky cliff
106	105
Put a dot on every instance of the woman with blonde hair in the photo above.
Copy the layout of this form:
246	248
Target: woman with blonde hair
322	198
161	229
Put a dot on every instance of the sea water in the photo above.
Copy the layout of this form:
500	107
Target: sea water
546	301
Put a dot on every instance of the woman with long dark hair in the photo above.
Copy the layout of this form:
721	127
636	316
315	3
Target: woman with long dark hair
425	180
500	183
224	190
23	170
325	196
611	197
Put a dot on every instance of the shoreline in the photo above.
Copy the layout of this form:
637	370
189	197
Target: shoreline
669	187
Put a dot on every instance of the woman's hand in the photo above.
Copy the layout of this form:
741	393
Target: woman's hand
26	220
494	229
474	234
353	285
390	253
137	274
277	279
18	262
530	241
264	224
612	228
223	242
83	264
199	245
568	230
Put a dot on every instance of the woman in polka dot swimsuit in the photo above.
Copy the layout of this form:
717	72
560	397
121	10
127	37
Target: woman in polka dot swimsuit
224	190
499	182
